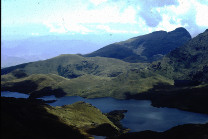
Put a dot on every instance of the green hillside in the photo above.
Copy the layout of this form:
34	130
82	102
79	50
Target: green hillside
31	118
90	86
145	48
189	62
75	75
92	77
72	66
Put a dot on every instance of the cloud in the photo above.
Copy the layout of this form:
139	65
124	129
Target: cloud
97	2
151	18
110	30
35	34
56	28
108	16
188	14
168	23
64	28
201	14
85	20
145	16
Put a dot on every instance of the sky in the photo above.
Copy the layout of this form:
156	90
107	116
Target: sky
26	18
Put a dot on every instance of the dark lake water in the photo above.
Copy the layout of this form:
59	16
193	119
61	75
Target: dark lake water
140	116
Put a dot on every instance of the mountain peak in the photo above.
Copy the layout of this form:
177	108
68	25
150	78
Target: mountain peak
145	48
181	30
189	62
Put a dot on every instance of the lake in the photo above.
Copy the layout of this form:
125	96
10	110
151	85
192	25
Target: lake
140	116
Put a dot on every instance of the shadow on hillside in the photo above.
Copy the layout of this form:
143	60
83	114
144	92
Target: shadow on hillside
21	118
187	98
188	131
48	91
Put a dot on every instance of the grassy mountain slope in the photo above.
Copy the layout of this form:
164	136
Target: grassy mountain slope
145	48
92	77
189	62
36	85
75	75
29	118
90	86
72	66
187	66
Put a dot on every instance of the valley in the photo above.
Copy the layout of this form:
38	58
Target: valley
171	74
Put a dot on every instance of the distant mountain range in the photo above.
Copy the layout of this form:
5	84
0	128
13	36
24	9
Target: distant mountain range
44	47
110	77
41	48
7	61
146	48
176	76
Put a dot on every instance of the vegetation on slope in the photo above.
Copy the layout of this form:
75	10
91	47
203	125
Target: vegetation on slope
90	86
189	62
31	118
92	77
21	118
75	75
72	66
36	85
189	98
145	48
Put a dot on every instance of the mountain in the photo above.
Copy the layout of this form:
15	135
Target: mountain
92	77
83	76
146	48
43	47
72	66
7	61
32	118
189	62
188	67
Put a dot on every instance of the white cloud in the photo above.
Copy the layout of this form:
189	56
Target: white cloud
57	28
201	14
109	30
184	6
166	25
113	16
77	20
35	34
107	14
64	28
97	2
77	28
